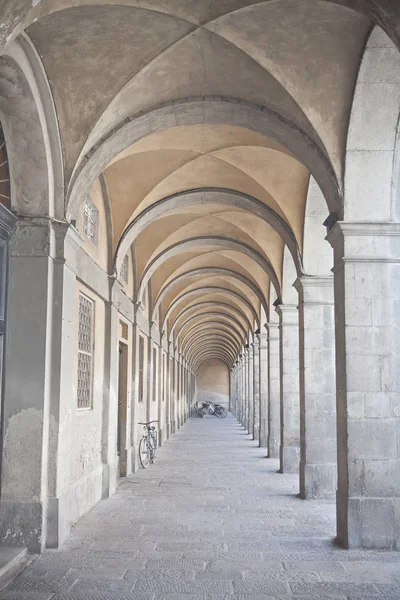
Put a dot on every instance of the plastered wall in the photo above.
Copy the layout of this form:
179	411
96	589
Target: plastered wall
212	383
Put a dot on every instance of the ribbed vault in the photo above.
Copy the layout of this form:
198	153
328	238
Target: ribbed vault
198	136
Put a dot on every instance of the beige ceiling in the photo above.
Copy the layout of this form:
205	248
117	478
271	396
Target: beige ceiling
206	202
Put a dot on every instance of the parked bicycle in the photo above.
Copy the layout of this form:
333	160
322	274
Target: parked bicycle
209	408
148	444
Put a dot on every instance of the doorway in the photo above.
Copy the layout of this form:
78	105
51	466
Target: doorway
122	408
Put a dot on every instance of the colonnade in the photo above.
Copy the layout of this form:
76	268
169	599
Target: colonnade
325	390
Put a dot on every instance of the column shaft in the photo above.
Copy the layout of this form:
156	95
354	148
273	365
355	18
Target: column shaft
274	395
263	385
290	394
318	452
256	380
367	295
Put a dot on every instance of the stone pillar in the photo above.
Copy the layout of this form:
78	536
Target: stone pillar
263	389
168	392
274	392
39	367
318	452
176	391
290	393
250	426
239	390
135	389
242	389
110	398
232	395
367	294
246	390
256	380
161	402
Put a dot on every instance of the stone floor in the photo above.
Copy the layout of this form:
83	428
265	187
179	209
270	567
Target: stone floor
211	520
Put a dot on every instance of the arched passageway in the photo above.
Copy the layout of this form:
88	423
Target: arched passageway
202	203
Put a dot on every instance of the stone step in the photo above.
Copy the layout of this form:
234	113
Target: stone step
12	562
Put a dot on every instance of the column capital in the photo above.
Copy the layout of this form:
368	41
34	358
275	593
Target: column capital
262	340
273	330
288	313
315	290
361	242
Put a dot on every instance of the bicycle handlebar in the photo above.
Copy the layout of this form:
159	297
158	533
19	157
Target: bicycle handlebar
147	423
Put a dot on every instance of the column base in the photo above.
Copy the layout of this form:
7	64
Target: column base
110	476
318	481
273	447
370	523
168	430
22	525
290	459
256	434
160	438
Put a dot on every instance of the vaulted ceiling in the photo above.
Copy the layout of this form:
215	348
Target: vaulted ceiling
206	121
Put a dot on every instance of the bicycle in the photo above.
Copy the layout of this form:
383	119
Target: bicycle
148	444
208	408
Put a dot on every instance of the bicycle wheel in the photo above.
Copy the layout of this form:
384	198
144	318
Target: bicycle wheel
144	452
221	413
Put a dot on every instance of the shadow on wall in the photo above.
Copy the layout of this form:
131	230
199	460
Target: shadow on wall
213	382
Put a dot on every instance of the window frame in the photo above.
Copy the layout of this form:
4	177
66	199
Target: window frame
82	352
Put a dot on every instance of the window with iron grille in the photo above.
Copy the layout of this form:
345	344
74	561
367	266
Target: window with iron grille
141	368
85	351
90	221
124	269
155	374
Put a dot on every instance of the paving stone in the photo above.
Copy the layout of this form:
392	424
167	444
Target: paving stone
355	589
29	596
185	587
219	524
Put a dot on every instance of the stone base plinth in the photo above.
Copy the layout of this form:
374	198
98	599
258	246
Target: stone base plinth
368	522
273	447
318	481
22	525
290	459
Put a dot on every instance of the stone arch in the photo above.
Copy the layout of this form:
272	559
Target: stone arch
213	110
212	196
203	290
370	156
289	276
214	271
317	252
226	306
211	240
213	314
30	126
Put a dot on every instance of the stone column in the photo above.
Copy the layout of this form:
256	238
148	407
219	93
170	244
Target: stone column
367	294
232	390
161	402
318	452
242	389
135	388
256	380
250	426
274	392
246	390
290	392
168	392
39	367
110	398
239	390
263	389
176	391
